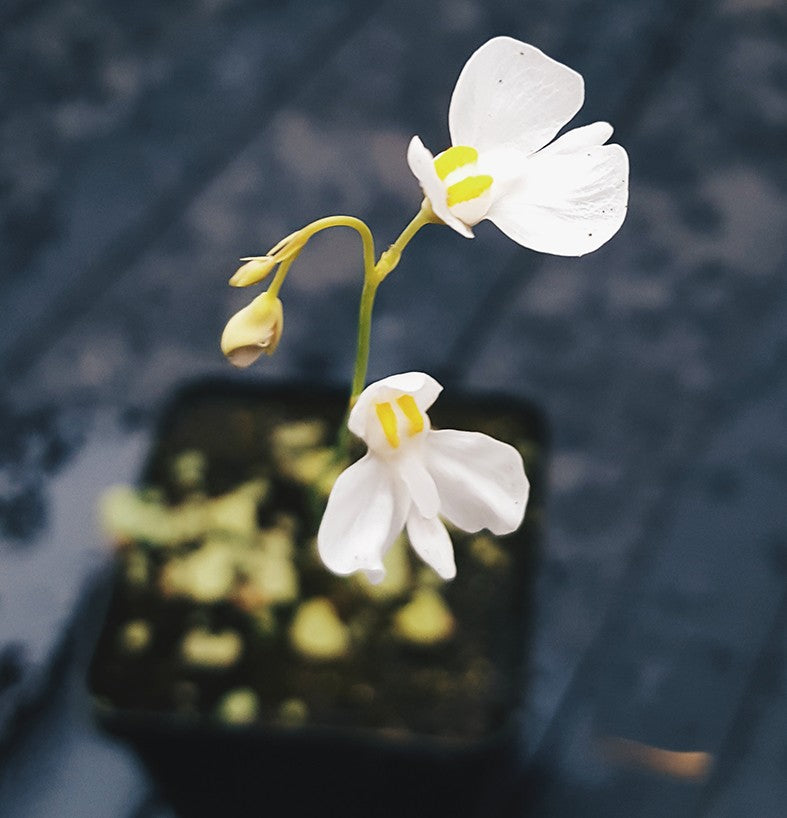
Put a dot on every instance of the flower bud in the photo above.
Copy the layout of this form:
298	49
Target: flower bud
253	330
254	270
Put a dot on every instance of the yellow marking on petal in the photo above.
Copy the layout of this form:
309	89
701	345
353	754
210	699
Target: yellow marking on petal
387	418
411	411
454	158
466	190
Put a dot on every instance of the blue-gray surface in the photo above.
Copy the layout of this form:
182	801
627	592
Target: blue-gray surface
144	146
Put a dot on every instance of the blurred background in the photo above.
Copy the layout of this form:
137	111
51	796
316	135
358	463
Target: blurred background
145	147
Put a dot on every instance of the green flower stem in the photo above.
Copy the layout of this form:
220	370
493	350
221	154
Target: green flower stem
290	248
344	221
372	280
368	293
281	274
373	275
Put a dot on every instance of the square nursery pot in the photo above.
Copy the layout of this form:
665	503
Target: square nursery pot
251	681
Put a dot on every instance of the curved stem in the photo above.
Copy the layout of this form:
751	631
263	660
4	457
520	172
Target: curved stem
374	274
390	258
281	274
345	221
372	280
305	233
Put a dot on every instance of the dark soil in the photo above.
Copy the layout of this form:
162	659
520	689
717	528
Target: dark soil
462	688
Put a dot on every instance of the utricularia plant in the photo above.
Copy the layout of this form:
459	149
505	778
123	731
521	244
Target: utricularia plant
565	196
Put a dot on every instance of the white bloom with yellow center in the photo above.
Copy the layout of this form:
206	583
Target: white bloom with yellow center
510	101
411	476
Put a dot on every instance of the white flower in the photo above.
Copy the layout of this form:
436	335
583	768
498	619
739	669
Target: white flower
510	101
412	475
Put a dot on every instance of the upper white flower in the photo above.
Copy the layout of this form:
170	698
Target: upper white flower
412	475
509	102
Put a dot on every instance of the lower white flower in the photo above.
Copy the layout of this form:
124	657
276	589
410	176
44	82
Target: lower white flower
411	476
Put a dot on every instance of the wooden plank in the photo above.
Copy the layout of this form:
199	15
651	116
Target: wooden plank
116	117
750	778
640	352
674	658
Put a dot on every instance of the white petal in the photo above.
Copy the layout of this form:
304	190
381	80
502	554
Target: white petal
424	389
421	163
431	542
419	482
366	511
597	133
481	481
568	204
511	93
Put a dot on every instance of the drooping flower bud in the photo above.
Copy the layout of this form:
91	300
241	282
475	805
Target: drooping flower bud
254	330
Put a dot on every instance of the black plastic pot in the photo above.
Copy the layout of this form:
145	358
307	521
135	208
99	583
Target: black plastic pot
439	753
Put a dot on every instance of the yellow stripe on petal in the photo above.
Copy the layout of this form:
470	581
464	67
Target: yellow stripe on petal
387	418
453	158
413	414
468	189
